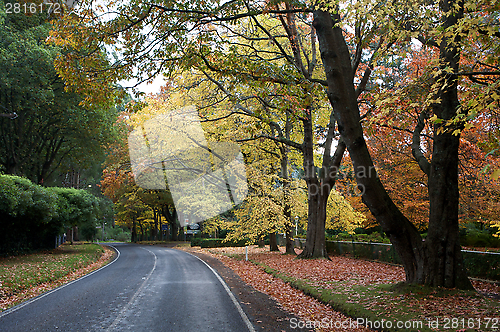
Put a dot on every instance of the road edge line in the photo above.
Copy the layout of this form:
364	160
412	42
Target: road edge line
22	305
231	295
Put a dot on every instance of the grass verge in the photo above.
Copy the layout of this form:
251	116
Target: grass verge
417	308
23	277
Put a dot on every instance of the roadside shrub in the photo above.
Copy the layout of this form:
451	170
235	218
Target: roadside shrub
218	243
79	207
123	236
361	237
116	233
28	215
31	216
474	234
196	241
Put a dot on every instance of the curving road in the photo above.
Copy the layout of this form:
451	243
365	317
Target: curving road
145	288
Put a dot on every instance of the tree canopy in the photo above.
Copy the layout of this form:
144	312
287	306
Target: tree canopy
51	129
323	78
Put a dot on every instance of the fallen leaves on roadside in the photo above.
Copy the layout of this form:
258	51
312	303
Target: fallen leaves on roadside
24	290
350	274
294	301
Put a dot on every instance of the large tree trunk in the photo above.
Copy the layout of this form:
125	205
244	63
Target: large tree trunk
319	189
273	243
261	241
172	220
444	264
315	246
438	262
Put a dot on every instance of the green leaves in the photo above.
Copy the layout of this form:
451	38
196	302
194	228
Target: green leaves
32	215
51	129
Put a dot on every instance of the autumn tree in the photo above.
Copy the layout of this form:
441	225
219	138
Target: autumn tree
183	36
286	69
389	138
278	87
225	119
437	261
135	206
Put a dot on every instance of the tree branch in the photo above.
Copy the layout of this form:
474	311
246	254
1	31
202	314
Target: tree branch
484	73
427	41
213	18
275	139
424	164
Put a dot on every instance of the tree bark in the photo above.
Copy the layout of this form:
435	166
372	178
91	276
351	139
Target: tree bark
76	236
261	242
172	220
156	217
315	237
444	263
438	261
319	188
175	231
273	243
289	248
142	231
289	245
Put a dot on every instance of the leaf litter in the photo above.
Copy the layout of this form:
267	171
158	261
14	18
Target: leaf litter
345	275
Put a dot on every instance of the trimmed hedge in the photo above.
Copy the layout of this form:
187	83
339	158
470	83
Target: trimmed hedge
482	265
31	216
28	215
478	264
196	241
374	251
218	243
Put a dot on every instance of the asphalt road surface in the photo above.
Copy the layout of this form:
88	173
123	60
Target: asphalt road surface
145	288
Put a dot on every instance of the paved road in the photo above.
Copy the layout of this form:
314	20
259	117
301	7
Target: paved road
145	289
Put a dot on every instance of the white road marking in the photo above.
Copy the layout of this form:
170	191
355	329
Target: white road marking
126	307
231	295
